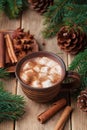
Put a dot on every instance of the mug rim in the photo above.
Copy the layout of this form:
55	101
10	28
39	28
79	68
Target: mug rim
36	54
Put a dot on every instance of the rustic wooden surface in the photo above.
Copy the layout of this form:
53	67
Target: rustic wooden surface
78	120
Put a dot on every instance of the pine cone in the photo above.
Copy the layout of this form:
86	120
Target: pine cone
82	100
40	5
24	43
71	40
18	33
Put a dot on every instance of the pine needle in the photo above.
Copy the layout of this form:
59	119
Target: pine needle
53	18
76	15
11	106
3	73
64	12
13	8
79	64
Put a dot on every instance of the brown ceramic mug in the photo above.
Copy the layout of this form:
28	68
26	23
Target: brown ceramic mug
47	94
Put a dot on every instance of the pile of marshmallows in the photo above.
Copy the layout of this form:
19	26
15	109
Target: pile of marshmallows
40	72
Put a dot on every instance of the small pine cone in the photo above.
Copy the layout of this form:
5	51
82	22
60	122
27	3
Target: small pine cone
24	43
82	100
71	40
41	5
18	33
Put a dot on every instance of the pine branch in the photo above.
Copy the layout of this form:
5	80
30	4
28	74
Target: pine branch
11	106
2	3
53	18
79	64
25	4
76	15
65	12
3	73
13	8
51	31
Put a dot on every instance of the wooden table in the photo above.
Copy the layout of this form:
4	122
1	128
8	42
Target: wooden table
32	21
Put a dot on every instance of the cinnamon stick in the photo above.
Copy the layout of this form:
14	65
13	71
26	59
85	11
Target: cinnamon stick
61	128
10	49
2	52
63	118
43	117
7	59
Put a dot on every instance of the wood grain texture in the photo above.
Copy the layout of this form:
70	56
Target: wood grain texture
8	24
70	59
34	22
10	84
78	118
29	120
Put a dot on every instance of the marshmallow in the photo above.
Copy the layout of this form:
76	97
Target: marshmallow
44	69
55	70
43	60
36	68
58	69
26	66
25	78
46	83
42	75
51	63
28	71
36	84
51	77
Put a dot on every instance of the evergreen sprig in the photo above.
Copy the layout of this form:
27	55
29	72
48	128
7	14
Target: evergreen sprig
79	64
53	18
13	8
65	12
11	106
76	15
3	73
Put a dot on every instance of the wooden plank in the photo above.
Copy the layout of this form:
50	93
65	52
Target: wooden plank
70	58
29	120
34	22
6	23
10	84
79	118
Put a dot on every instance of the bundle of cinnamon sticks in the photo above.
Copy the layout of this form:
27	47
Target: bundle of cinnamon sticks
46	115
6	49
14	45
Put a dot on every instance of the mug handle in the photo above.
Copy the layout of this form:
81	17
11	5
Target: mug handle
72	81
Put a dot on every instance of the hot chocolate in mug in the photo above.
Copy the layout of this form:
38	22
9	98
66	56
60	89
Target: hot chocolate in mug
42	74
